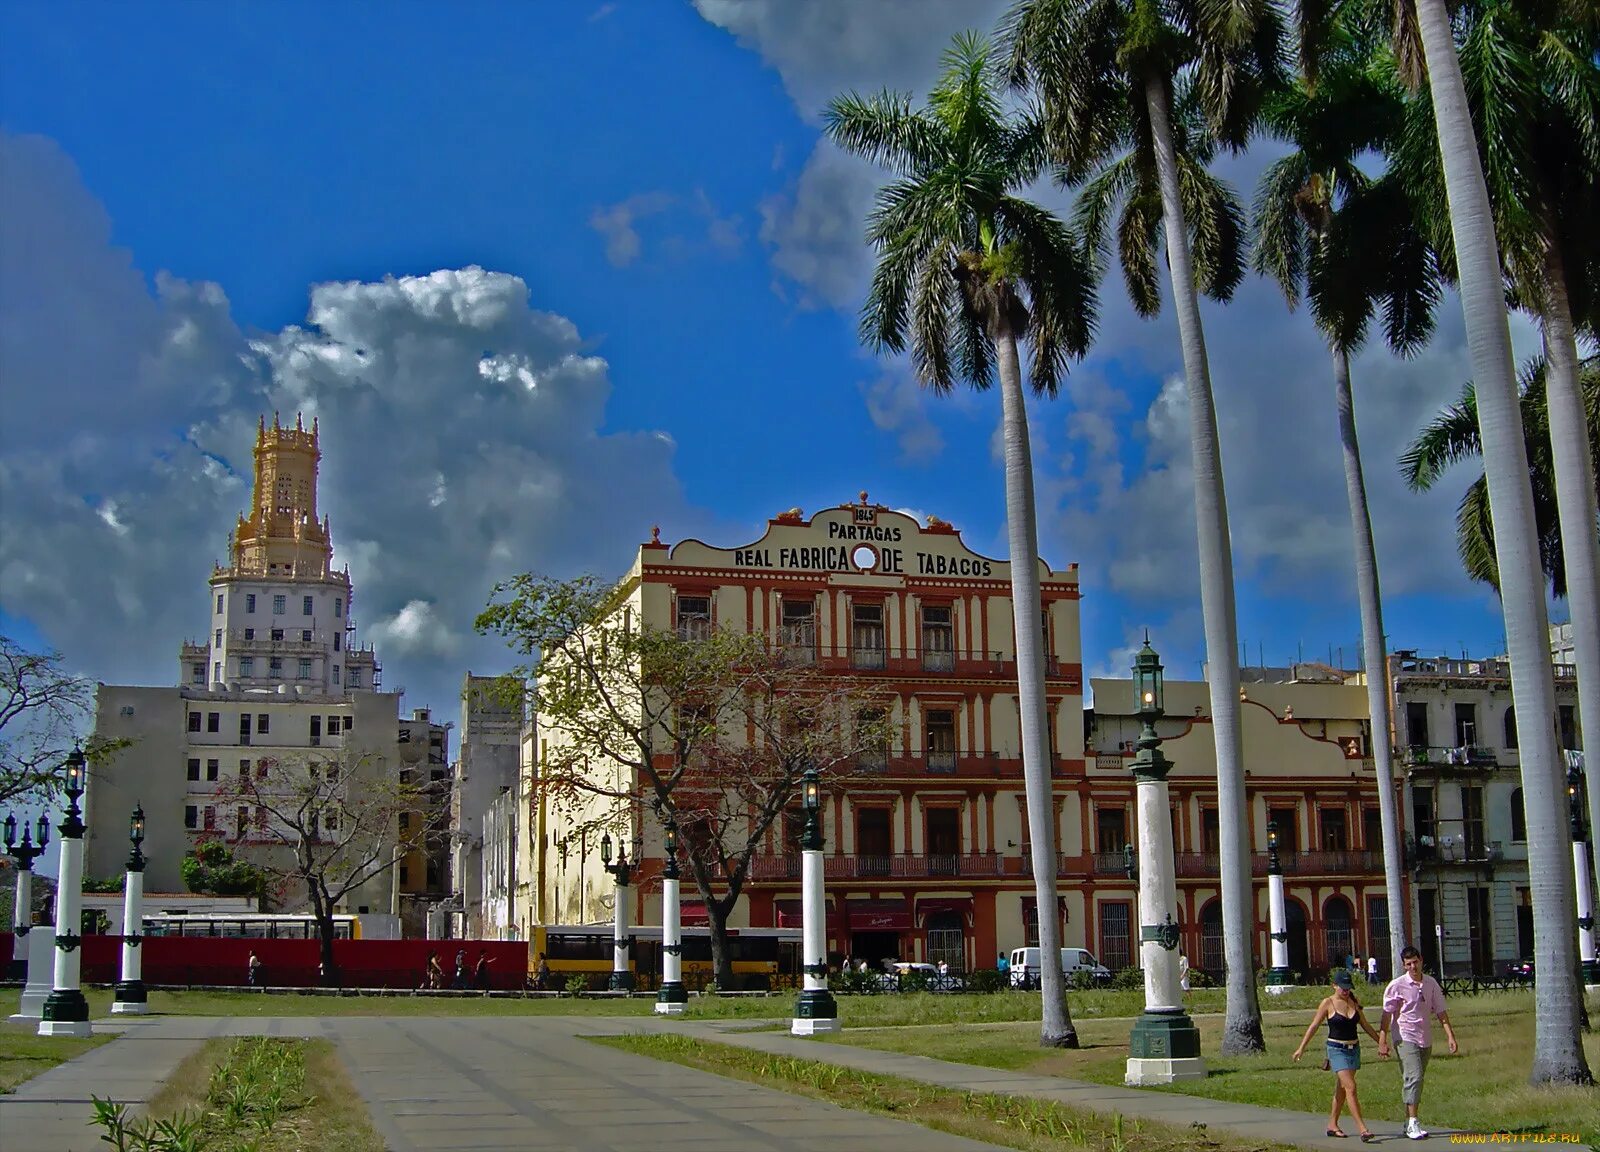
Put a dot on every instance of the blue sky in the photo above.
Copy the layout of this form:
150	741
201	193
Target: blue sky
631	202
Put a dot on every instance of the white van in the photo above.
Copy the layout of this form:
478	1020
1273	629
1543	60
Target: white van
1025	966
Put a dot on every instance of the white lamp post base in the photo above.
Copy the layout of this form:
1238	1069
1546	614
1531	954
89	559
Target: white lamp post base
813	1026
128	1008
1143	1073
668	1008
78	1028
1278	989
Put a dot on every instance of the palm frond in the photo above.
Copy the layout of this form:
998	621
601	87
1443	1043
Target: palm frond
1138	251
1447	439
883	129
1280	239
1217	232
935	305
1060	282
1475	535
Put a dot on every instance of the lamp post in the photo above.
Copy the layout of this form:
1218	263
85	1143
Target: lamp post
672	997
1279	978
1164	1045
621	942
1580	867
66	1012
815	1010
24	854
130	999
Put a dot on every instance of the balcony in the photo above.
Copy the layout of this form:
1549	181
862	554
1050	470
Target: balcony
1202	865
938	661
900	866
291	643
1467	757
940	763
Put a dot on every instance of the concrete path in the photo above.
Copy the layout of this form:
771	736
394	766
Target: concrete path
478	1083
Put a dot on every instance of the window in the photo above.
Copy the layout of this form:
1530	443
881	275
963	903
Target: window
244	728
280	605
1417	724
335	673
249	633
1110	829
1422	820
1480	931
1210	832
216	641
694	617
211	818
335	723
277	634
305	635
799	633
211	769
405	875
938	639
191	816
1511	726
219	603
261	769
873	755
303	670
242	820
250	602
1287	825
405	821
1466	725
1567	722
1472	821
941	740
336	639
1519	816
338	607
330	820
1115	946
275	666
194	768
213	721
305	605
1378	928
316	732
866	636
247	666
194	717
942	836
197	673
244	768
1335	834
352	678
405	736
216	672
261	723
1371	829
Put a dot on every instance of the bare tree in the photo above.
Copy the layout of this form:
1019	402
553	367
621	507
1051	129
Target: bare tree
43	709
711	729
326	822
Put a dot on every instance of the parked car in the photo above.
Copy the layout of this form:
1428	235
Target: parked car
895	978
1520	970
1025	966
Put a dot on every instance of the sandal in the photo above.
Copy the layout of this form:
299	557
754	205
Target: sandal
1336	1132
1369	1137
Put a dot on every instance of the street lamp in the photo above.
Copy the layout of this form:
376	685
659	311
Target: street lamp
1279	979
24	854
1580	867
621	942
130	998
815	1010
671	997
1164	1045
66	1012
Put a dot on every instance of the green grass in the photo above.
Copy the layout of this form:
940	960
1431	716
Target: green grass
1013	1122
24	1053
1483	1089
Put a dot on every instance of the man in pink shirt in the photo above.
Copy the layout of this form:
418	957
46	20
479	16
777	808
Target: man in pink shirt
1410	1002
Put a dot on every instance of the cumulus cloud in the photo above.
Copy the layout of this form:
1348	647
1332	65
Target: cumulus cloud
460	430
617	222
691	224
897	405
815	231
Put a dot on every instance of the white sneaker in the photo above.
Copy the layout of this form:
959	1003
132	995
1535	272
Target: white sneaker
1415	1130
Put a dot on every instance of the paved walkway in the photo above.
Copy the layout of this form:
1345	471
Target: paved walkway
527	1082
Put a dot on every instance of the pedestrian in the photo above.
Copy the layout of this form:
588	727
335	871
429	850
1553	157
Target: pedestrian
1183	973
460	981
1372	969
254	971
480	971
1002	964
435	972
1344	1016
1410	1003
541	975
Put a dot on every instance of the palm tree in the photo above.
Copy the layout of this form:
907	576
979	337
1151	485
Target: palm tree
1426	35
1319	221
968	271
1452	436
1133	94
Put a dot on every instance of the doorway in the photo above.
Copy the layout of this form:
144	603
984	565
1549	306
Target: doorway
1299	939
873	844
946	940
942	829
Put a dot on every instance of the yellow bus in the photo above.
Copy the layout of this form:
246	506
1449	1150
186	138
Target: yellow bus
763	958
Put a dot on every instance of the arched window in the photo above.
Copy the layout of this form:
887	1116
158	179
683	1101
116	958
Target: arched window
1211	945
1519	818
1511	727
1340	924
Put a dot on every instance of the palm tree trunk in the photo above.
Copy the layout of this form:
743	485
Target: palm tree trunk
1575	501
1373	655
1022	537
1558	1052
1241	1028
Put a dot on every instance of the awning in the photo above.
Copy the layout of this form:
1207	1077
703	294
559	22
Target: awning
879	916
694	914
928	905
789	913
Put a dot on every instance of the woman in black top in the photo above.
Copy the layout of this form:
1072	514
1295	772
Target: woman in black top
1343	1015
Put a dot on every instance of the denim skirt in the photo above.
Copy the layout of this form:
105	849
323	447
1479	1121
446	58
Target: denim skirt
1343	1057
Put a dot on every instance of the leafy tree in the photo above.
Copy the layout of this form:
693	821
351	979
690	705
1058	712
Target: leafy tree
1134	95
1428	40
1349	244
968	272
325	821
711	732
213	870
43	708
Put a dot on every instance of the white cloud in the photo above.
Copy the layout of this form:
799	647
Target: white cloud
897	405
616	223
443	469
815	231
